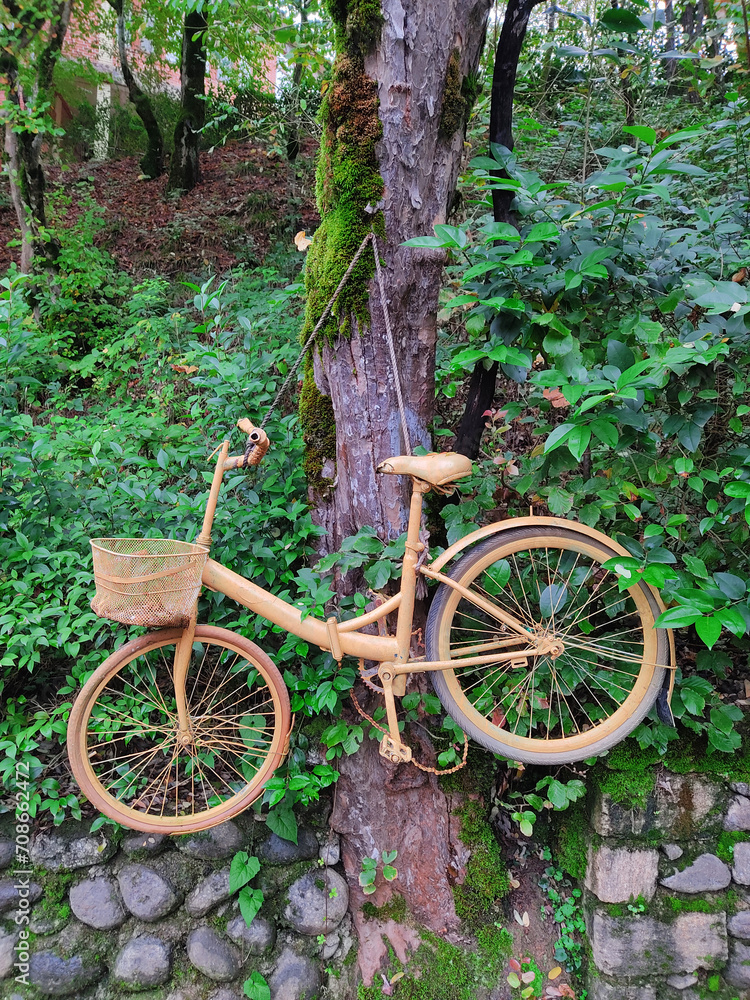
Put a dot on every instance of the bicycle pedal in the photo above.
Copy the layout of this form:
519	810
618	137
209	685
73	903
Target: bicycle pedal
394	751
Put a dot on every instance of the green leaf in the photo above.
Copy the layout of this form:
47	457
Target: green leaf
695	566
389	873
379	573
558	436
542	231
578	441
242	869
709	629
677	618
642	132
162	459
256	987
731	619
618	19
730	585
725	742
513	981
251	901
606	431
282	822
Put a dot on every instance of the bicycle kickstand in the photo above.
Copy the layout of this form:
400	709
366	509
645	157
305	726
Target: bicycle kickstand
391	746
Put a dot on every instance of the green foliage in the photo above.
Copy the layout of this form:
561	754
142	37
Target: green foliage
726	844
558	795
638	404
368	875
568	913
573	838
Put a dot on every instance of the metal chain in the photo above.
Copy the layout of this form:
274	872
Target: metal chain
422	767
391	347
326	313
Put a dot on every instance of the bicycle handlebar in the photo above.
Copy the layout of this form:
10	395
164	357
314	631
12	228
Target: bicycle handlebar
256	448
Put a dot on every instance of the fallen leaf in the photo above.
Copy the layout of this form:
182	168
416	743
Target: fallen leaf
552	991
566	991
387	989
554	973
556	398
301	241
186	369
515	965
740	275
528	977
517	917
514	981
515	884
395	979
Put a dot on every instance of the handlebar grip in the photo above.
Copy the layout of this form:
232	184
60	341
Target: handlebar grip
257	446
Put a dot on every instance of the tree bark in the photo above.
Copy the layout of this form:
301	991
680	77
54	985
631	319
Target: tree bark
39	250
481	395
152	163
185	168
507	54
670	70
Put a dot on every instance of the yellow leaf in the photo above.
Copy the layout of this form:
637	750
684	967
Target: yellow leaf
301	241
554	973
399	975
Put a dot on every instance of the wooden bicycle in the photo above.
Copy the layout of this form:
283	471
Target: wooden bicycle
531	646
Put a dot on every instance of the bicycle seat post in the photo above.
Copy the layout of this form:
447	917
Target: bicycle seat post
208	518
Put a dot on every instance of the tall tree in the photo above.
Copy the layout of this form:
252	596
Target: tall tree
32	40
394	119
507	53
152	163
185	168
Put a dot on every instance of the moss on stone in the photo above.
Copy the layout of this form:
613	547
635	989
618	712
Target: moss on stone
573	838
725	844
486	877
667	907
627	774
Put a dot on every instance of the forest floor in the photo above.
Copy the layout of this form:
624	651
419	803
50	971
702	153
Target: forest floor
248	201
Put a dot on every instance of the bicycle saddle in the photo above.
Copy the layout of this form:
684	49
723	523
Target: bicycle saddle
435	469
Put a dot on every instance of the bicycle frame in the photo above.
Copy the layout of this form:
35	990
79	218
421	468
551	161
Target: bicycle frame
346	638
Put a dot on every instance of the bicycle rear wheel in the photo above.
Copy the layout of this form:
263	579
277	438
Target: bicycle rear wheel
608	663
130	758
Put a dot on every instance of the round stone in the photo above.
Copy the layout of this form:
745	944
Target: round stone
706	874
741	866
143	963
148	843
146	894
7	952
738	814
59	977
330	852
219	842
7	853
672	851
14	894
274	850
72	846
208	893
739	925
295	977
317	902
97	903
212	955
255	939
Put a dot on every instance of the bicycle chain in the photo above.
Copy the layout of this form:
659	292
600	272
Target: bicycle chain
422	767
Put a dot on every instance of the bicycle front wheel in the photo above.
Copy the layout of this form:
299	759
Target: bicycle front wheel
133	762
604	662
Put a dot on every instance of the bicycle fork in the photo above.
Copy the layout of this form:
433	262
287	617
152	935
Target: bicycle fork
181	664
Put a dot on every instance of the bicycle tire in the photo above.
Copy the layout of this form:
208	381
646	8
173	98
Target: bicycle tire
501	717
123	742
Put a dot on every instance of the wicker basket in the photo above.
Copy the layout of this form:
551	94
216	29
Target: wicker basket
146	581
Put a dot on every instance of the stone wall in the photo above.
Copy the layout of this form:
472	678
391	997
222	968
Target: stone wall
153	915
667	897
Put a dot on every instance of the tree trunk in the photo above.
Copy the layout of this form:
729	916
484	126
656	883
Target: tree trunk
507	55
294	134
39	250
394	121
152	163
394	118
670	70
185	168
